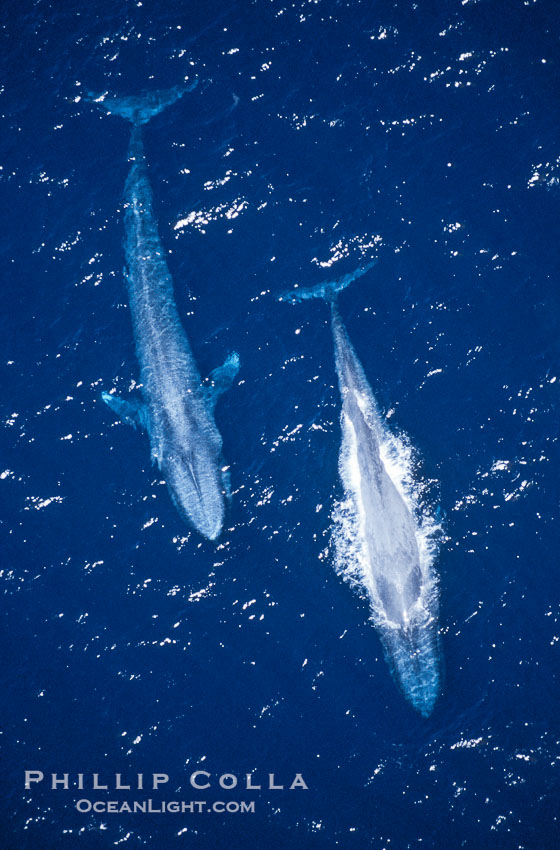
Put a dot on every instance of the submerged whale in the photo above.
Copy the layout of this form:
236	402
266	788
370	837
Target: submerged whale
399	582
175	408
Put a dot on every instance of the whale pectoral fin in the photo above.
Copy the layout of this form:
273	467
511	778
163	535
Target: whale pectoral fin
226	482
222	378
131	411
413	583
389	597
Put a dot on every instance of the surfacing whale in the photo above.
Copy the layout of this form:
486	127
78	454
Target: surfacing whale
175	408
390	566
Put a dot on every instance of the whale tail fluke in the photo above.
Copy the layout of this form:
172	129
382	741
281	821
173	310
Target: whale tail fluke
327	290
139	109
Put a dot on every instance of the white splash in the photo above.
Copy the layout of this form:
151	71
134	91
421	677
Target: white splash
351	559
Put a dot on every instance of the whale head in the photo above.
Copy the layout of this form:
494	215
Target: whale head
195	482
413	655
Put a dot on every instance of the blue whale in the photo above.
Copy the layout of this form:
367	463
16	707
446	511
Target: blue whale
399	583
175	407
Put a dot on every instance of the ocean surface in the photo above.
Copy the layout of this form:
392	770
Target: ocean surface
322	134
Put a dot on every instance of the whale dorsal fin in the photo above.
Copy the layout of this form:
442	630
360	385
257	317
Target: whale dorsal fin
132	411
221	379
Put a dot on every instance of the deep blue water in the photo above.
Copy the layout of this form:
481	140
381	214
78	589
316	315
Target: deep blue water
422	133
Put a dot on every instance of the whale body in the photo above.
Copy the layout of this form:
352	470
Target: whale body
399	582
175	408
